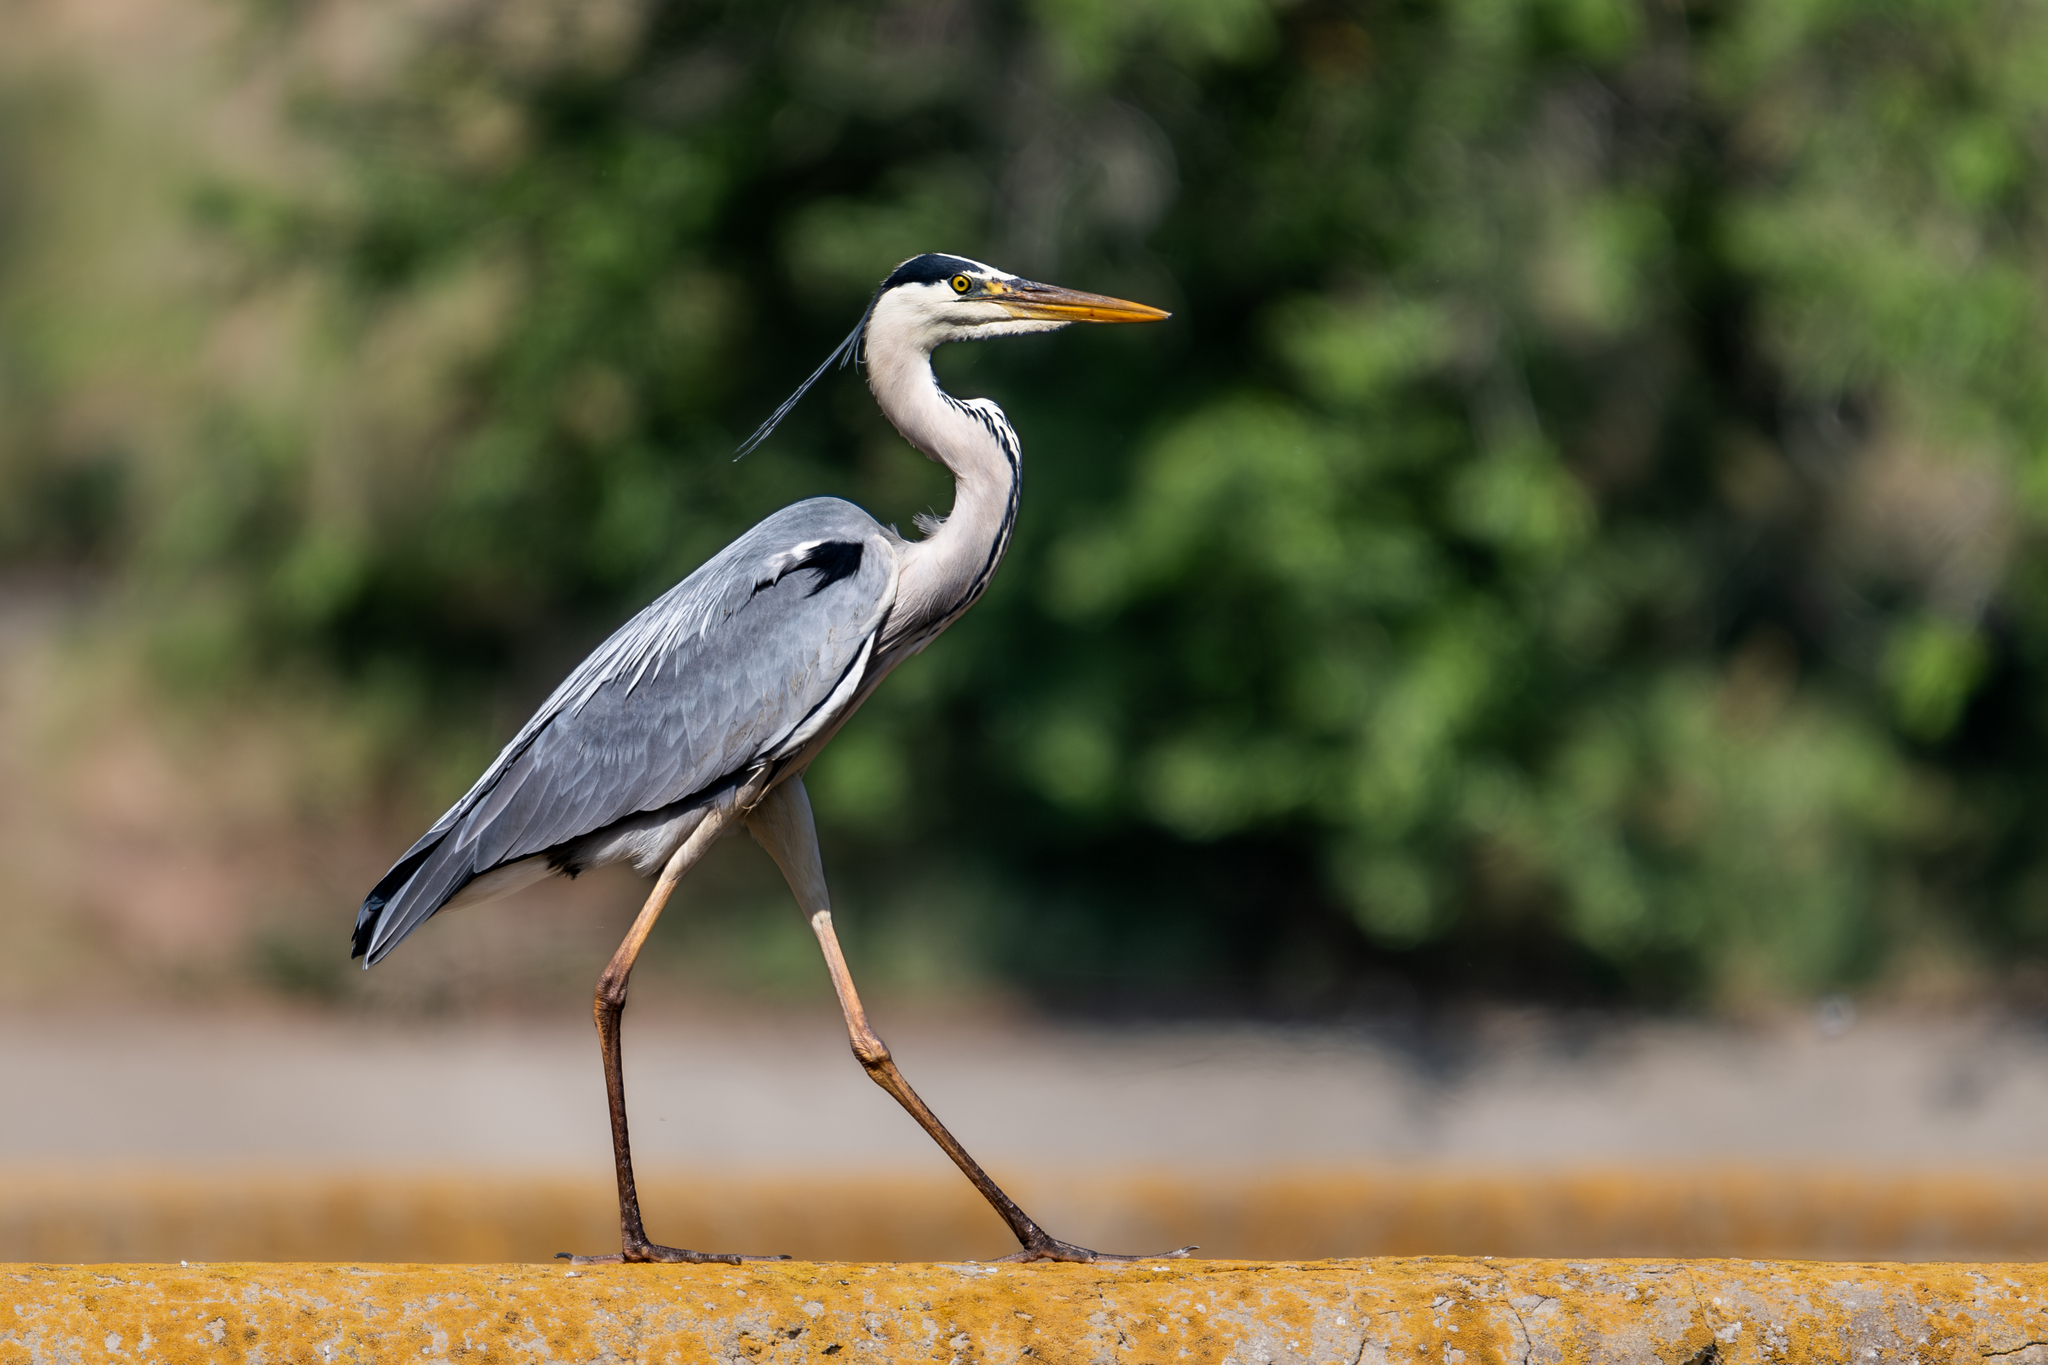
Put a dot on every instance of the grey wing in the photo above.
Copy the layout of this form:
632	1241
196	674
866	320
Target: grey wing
736	665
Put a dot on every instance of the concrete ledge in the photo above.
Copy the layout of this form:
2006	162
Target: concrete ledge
1442	1311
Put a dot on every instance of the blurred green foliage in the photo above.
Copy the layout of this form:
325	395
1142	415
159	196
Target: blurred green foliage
1578	537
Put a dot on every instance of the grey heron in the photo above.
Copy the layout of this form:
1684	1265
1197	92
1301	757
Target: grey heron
703	711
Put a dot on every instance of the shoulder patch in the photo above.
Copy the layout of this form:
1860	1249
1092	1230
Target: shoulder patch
830	560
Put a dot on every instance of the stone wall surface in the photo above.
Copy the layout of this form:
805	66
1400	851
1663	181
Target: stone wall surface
1444	1311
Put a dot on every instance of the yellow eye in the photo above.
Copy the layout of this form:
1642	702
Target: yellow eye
961	284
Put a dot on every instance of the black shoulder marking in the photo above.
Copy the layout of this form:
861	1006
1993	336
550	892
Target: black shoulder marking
831	561
929	268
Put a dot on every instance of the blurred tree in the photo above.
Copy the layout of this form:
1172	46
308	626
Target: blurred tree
1578	537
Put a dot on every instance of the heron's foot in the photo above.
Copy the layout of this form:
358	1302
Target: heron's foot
645	1253
1048	1248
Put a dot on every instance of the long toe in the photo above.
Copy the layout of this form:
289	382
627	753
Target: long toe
1053	1249
680	1256
651	1253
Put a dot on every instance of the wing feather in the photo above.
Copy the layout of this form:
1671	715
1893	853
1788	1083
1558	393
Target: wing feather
706	682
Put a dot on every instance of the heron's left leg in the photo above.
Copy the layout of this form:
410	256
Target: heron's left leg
609	1009
782	823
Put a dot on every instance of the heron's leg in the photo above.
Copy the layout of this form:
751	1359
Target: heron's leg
609	1008
782	824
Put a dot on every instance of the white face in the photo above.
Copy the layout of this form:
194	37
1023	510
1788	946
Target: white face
930	315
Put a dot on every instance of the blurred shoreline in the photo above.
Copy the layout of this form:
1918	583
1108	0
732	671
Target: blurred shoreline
769	1085
1788	1213
303	1135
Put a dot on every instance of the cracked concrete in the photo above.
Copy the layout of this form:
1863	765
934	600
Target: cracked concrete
1207	1313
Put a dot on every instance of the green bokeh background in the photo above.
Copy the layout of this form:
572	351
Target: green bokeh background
1579	537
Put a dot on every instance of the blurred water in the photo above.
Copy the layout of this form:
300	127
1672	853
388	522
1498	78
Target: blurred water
757	1087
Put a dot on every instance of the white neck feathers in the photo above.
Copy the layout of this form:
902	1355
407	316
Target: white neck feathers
946	571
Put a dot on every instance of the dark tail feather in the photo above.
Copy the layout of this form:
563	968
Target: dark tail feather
380	896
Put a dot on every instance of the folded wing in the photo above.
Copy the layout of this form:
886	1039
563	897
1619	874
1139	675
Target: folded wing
715	677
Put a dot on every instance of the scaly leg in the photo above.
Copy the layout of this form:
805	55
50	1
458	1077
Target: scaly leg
782	824
609	1008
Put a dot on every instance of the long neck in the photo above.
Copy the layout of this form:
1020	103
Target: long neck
946	571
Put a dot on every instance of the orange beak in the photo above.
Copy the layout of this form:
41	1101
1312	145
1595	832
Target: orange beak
1049	302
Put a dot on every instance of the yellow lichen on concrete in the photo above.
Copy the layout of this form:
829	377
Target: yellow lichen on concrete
1437	1311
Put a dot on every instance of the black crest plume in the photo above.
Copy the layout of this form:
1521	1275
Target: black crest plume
926	269
845	353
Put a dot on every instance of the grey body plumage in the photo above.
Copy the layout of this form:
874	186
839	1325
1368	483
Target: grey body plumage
704	710
713	678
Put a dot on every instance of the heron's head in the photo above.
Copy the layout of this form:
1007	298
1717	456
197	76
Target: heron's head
932	299
935	298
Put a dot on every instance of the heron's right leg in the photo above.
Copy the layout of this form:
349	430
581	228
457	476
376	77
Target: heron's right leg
783	825
609	1009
